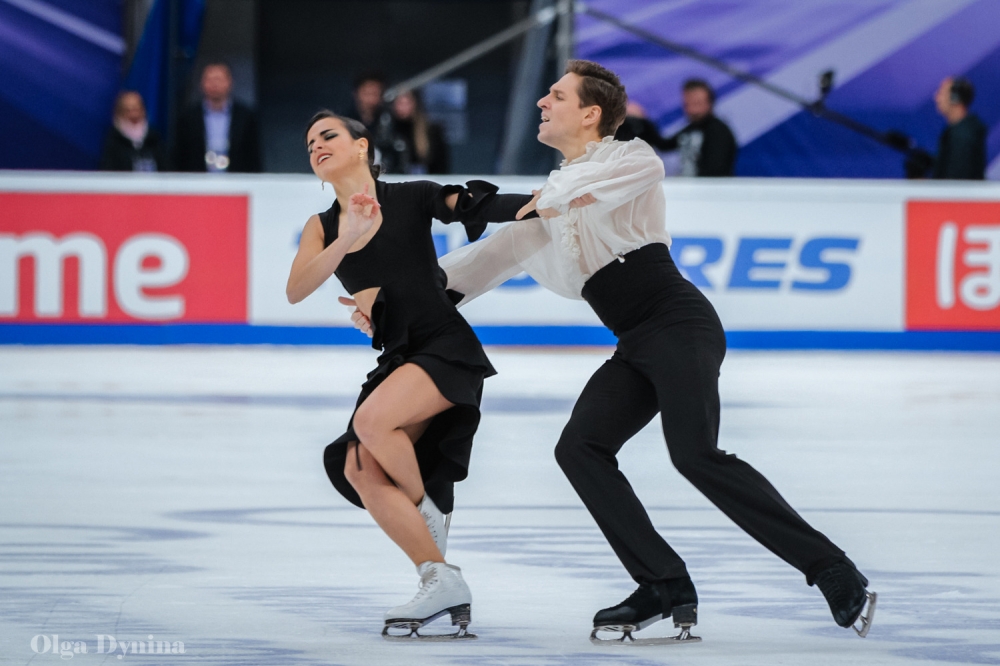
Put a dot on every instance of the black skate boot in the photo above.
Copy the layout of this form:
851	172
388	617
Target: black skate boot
650	603
845	590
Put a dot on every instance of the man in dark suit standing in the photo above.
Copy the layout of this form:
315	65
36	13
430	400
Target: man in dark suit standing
962	145
220	134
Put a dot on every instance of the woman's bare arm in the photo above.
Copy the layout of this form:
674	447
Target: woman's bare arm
313	264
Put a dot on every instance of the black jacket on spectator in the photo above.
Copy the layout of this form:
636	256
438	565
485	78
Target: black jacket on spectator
634	127
244	144
119	154
962	150
403	156
718	145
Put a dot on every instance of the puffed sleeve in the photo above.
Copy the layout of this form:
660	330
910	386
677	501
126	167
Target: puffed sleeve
629	171
478	204
476	268
525	245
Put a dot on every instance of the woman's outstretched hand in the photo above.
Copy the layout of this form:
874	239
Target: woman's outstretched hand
361	213
579	202
530	206
361	322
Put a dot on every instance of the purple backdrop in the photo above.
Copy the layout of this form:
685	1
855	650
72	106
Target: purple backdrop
60	64
889	56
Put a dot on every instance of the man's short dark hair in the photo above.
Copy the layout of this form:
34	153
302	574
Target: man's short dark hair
962	91
600	87
370	75
700	84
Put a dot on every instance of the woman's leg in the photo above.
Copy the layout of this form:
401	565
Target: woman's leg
388	478
392	510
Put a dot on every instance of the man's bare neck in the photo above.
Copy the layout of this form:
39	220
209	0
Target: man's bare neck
578	146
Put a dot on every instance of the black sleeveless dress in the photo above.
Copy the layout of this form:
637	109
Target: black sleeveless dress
414	320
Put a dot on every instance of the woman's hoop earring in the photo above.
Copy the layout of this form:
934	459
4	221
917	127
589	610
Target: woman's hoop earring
361	155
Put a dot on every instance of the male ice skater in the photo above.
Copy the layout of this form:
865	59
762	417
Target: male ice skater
600	236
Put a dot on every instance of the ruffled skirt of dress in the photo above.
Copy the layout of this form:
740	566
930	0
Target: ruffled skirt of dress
456	362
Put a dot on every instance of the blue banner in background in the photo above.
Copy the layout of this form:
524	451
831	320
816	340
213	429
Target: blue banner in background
149	72
889	57
60	65
61	68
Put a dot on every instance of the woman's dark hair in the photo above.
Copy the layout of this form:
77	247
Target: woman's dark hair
421	129
355	129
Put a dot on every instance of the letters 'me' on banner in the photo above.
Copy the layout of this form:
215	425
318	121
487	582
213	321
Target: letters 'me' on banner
122	258
953	265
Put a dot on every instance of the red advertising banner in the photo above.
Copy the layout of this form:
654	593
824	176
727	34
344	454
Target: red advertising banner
953	265
103	258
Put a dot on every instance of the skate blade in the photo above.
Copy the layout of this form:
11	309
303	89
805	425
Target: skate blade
415	636
864	622
628	639
461	616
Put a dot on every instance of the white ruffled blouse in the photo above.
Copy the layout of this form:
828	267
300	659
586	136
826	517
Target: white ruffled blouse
561	253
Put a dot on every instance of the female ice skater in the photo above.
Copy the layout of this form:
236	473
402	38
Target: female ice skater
410	437
601	237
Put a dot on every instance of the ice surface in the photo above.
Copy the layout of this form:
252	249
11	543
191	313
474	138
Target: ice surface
179	493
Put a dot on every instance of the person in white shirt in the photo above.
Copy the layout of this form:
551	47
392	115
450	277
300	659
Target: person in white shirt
600	236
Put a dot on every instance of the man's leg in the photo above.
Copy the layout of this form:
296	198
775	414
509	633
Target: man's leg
616	403
683	363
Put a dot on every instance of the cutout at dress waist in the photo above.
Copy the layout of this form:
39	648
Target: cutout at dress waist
365	298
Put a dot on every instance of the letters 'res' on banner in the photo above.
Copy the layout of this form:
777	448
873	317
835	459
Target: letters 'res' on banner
123	258
953	266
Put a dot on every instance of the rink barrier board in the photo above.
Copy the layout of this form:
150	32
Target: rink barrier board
182	259
551	336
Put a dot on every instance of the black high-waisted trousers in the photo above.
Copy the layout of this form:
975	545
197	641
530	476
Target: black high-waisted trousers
670	348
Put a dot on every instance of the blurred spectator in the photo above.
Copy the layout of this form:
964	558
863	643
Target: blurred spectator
418	145
131	145
962	145
637	126
219	134
707	145
367	107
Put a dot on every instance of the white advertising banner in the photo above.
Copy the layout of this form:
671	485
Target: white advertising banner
778	258
278	217
772	255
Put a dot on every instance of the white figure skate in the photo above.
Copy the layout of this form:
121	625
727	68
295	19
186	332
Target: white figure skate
437	522
442	591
